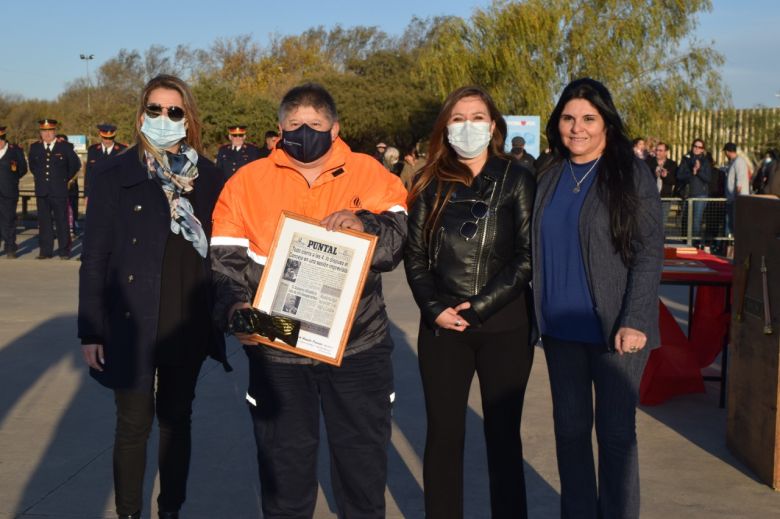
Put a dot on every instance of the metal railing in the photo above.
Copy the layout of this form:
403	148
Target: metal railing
696	221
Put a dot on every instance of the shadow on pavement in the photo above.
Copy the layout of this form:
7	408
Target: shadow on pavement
78	437
697	418
409	414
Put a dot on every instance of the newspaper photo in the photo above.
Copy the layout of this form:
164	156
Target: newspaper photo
314	276
313	279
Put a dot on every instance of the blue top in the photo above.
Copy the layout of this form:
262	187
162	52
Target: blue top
567	310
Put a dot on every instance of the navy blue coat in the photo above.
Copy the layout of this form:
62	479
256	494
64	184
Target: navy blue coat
52	171
128	224
12	168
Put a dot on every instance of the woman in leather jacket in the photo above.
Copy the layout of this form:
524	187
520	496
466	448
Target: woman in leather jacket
468	263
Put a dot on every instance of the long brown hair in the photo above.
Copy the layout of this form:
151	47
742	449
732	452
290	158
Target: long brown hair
191	114
443	163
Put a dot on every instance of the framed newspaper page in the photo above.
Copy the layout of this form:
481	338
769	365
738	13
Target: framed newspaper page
315	276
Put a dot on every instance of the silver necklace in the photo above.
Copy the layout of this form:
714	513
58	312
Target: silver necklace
579	182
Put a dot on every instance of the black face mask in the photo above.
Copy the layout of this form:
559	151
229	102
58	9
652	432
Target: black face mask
305	144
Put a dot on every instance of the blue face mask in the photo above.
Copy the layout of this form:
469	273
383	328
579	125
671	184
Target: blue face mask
163	133
305	144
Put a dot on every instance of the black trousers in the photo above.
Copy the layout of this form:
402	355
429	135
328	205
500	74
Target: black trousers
53	216
172	402
448	361
356	401
8	223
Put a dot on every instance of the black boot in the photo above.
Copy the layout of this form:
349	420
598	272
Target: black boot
136	515
169	515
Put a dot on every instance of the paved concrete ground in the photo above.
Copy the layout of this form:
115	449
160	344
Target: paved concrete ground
56	427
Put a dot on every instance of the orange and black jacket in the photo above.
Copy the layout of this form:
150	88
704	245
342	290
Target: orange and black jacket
248	210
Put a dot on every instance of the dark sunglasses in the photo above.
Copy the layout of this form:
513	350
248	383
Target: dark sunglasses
175	113
469	229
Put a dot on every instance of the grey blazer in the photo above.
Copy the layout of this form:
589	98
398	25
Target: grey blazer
623	296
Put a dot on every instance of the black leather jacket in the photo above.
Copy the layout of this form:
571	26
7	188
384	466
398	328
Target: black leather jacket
489	270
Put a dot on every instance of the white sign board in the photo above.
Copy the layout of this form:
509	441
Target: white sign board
526	126
79	143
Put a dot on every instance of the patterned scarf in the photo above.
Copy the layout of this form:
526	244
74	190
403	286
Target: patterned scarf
177	175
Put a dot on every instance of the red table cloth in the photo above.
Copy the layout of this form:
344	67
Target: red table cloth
675	367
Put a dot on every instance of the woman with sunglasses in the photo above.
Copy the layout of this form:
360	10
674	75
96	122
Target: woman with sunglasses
468	263
144	291
696	173
597	257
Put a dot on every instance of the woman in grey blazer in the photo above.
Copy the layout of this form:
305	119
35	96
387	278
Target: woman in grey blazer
597	243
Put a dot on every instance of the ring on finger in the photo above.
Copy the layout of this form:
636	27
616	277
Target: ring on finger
458	323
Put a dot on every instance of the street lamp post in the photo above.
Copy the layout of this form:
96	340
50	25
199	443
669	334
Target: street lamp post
87	58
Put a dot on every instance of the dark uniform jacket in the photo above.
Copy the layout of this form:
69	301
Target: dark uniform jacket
52	170
489	270
128	222
230	160
12	168
96	158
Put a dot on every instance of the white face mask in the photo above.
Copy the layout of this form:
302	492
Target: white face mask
163	133
469	139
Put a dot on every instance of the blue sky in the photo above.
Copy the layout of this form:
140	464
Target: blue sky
42	40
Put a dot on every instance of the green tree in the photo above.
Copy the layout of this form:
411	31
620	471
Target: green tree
525	52
221	106
378	101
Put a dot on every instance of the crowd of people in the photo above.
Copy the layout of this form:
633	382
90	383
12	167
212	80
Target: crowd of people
164	278
55	167
695	177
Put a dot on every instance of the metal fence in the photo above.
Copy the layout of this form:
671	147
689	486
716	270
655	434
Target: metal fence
696	221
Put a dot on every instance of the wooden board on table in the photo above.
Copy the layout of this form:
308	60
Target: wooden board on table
686	266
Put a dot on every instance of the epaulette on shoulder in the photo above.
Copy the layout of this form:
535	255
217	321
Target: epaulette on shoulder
226	145
96	145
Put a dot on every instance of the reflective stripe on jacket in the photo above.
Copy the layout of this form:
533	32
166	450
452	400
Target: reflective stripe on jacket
248	211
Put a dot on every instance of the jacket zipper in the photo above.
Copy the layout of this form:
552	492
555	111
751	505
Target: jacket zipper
475	291
434	258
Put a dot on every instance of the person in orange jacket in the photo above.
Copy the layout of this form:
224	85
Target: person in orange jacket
314	173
